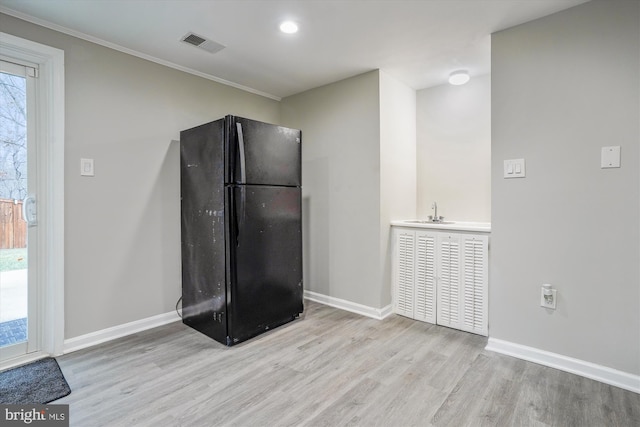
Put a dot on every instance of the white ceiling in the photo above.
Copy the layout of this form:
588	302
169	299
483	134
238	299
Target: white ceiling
418	42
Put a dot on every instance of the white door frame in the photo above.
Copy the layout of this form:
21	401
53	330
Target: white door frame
50	208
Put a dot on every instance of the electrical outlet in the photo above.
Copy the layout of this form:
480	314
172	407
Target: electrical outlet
548	301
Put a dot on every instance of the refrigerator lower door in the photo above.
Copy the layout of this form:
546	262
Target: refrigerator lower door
265	287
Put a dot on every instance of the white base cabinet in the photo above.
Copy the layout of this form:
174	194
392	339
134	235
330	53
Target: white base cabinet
441	277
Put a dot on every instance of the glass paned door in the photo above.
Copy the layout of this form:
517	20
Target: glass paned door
18	296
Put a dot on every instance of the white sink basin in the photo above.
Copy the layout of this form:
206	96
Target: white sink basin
483	227
426	221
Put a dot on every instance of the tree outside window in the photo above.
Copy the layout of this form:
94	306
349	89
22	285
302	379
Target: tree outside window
13	137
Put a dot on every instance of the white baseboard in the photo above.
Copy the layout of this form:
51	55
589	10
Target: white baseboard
596	372
364	310
22	360
104	335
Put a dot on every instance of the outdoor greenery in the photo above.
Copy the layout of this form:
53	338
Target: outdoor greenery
13	259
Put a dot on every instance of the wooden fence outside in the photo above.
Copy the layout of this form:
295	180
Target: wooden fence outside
13	229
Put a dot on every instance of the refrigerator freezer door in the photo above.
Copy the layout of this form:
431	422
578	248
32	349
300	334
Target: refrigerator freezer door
265	285
203	227
263	154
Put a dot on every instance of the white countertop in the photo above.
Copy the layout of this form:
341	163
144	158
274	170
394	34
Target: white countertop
483	227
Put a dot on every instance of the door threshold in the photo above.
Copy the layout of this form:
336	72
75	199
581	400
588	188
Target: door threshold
22	360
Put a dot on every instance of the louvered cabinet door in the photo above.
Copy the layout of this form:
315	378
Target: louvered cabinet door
448	283
425	278
404	272
475	284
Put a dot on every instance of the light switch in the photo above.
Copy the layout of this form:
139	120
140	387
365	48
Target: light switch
610	157
86	167
514	168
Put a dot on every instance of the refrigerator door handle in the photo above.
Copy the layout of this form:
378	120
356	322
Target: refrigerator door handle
243	176
243	202
238	202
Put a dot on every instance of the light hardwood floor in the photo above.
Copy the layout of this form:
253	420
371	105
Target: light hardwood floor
329	368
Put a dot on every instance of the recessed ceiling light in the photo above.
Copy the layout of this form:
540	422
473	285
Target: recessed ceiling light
289	27
459	77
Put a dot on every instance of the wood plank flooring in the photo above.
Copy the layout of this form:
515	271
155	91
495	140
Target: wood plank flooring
329	368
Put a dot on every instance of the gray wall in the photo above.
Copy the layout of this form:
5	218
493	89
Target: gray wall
340	180
563	87
359	170
397	166
122	227
454	150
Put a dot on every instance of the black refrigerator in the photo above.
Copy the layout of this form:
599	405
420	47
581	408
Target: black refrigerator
241	227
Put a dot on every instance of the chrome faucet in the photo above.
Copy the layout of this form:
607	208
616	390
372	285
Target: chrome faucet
435	217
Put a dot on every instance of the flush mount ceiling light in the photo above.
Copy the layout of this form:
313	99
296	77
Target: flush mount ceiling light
289	27
459	77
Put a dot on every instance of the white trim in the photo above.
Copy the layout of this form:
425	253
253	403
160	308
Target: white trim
104	335
22	360
50	117
364	310
590	370
101	42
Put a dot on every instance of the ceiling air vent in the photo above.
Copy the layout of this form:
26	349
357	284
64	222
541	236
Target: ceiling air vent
201	42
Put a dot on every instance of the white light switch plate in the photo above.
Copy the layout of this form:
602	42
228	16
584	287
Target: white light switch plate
86	167
610	157
514	168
